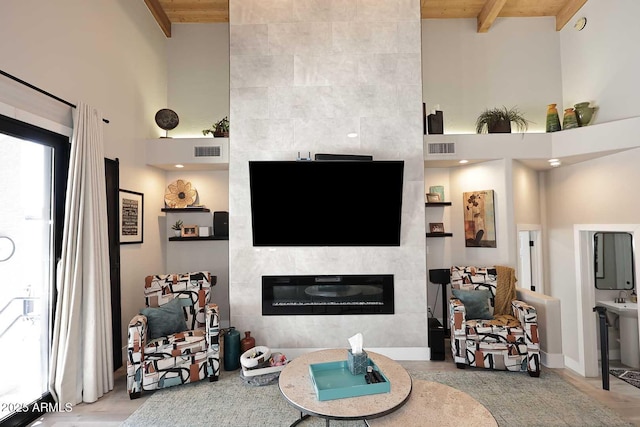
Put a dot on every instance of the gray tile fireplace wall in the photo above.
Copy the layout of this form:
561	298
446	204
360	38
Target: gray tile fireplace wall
304	74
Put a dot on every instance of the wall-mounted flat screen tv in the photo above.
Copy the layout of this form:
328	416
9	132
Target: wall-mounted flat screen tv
326	203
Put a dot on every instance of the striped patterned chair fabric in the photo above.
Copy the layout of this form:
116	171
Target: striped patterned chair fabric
512	345
179	358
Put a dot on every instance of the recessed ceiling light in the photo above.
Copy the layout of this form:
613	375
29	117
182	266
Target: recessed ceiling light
352	135
462	162
553	160
555	164
179	166
580	24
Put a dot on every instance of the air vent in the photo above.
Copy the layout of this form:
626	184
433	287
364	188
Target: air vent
441	148
208	151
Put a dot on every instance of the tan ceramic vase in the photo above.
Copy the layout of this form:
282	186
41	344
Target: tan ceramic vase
569	121
553	120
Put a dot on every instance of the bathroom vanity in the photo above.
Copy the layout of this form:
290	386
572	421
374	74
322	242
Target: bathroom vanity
629	342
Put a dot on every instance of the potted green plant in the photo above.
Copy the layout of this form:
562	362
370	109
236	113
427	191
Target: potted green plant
177	228
498	120
219	129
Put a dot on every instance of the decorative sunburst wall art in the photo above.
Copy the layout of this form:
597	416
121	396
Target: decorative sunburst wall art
180	194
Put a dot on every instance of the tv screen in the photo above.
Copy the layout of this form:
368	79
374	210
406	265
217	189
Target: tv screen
326	203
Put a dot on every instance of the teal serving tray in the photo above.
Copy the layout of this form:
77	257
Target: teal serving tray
333	380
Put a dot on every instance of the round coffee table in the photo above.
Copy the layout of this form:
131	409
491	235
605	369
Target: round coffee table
296	386
442	405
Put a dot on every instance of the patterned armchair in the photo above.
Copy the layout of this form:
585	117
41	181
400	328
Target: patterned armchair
505	342
182	357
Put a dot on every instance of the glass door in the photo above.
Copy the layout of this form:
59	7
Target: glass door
32	177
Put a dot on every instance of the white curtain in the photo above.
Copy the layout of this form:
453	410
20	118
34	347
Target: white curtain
81	356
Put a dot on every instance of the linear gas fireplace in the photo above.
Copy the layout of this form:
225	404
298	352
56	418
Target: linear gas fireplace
320	295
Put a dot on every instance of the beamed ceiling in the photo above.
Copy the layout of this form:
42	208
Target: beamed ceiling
167	12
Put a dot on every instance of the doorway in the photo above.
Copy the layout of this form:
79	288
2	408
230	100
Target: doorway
530	257
588	350
34	176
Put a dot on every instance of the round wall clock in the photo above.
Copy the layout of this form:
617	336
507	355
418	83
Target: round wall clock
580	24
167	119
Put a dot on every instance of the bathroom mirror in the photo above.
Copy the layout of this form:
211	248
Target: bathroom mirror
613	260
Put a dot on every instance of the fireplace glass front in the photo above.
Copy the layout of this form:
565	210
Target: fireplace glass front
322	295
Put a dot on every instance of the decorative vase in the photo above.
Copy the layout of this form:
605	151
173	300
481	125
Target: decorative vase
177	233
231	349
569	120
247	343
584	113
553	120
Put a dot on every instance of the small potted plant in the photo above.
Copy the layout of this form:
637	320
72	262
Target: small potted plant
498	120
219	129
177	228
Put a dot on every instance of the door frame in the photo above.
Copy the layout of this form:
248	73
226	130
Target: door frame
537	263
587	363
61	145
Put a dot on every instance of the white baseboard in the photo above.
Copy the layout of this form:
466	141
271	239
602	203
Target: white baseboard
574	365
395	353
552	360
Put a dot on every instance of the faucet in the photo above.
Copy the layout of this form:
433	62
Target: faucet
622	297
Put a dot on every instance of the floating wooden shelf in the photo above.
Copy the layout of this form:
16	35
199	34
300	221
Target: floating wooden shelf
197	209
439	234
433	204
191	239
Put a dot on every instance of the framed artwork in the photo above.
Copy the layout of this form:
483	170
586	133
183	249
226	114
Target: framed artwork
433	197
438	189
189	231
131	217
479	219
436	227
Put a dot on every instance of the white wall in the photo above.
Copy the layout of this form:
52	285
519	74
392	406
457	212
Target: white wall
198	91
494	176
599	63
516	63
570	200
110	54
596	67
207	255
198	72
526	195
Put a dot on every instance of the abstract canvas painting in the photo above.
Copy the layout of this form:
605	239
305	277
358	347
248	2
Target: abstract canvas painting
479	219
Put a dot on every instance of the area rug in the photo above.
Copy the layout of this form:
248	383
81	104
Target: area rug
632	377
514	399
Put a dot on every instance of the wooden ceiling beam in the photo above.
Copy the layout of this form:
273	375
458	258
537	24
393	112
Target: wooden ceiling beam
488	14
161	17
570	8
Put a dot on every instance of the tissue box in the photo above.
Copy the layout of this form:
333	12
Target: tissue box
357	363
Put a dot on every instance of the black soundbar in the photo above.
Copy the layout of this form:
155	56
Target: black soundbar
344	157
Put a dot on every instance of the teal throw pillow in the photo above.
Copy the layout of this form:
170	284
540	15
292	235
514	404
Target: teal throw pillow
476	303
165	320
